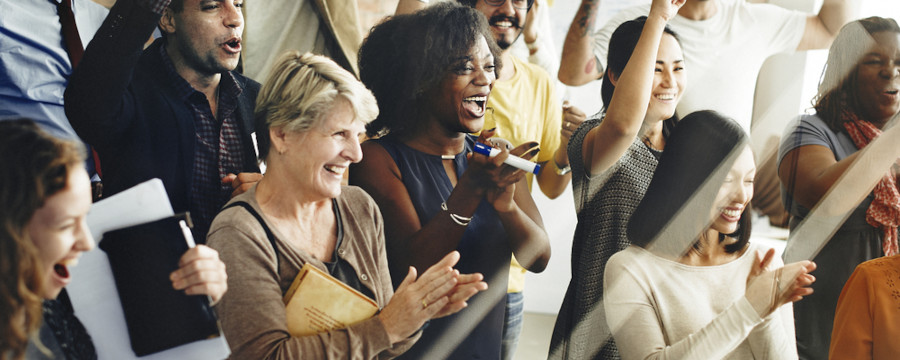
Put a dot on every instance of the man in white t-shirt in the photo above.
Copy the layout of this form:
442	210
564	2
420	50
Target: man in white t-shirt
725	44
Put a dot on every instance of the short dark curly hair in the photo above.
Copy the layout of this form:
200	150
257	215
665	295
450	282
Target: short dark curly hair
406	56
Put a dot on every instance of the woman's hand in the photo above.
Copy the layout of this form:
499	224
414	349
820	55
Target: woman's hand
767	289
667	9
200	272
438	292
467	286
498	179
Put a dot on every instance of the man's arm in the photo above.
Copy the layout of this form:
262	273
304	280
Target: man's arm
553	184
96	97
578	65
821	29
538	38
410	6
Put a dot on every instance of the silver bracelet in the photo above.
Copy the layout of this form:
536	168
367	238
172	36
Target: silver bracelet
458	219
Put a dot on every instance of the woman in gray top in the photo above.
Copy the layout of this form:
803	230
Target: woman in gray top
857	97
612	160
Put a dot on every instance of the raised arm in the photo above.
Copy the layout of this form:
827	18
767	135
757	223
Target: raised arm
410	6
578	65
538	38
606	143
821	28
554	143
97	97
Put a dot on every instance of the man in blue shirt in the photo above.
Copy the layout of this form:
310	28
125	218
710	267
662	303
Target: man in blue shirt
34	64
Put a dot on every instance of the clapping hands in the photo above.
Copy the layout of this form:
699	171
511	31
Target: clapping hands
768	287
439	292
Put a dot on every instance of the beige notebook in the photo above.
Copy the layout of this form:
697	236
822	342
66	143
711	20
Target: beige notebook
317	302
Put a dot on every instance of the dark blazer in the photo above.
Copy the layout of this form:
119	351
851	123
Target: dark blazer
120	101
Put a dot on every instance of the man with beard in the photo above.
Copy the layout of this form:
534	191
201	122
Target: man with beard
524	106
175	111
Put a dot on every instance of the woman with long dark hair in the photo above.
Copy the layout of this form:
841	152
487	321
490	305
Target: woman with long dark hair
612	159
691	286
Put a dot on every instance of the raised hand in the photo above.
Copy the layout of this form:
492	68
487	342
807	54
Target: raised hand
667	9
530	30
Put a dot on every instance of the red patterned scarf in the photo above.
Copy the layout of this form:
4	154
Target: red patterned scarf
884	211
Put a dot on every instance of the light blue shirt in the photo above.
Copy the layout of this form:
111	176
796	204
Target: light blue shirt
34	65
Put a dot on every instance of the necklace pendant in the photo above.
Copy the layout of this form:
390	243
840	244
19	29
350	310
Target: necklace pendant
448	157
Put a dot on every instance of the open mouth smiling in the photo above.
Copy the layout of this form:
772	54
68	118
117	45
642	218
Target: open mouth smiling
665	97
336	169
475	105
62	268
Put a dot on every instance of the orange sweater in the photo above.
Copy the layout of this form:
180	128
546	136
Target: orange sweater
867	319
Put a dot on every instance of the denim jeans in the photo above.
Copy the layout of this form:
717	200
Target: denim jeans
515	306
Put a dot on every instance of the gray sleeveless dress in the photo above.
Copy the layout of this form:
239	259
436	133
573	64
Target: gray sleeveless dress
604	203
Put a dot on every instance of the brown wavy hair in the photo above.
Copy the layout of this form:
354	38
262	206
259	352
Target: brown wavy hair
37	167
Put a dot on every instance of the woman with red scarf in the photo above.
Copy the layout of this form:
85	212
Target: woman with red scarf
858	95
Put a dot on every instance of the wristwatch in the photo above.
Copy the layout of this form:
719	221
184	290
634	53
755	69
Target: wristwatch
562	170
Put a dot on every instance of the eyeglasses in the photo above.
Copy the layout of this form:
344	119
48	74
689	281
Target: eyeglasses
518	4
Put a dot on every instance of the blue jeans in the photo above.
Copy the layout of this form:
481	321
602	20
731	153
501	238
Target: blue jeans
515	306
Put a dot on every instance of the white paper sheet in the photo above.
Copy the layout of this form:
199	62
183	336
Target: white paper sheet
93	289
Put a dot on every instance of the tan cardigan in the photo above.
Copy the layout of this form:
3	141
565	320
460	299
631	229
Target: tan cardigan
252	313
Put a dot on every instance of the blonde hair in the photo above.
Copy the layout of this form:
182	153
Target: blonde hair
301	89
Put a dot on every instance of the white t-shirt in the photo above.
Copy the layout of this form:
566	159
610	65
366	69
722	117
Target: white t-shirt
722	54
662	309
273	27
